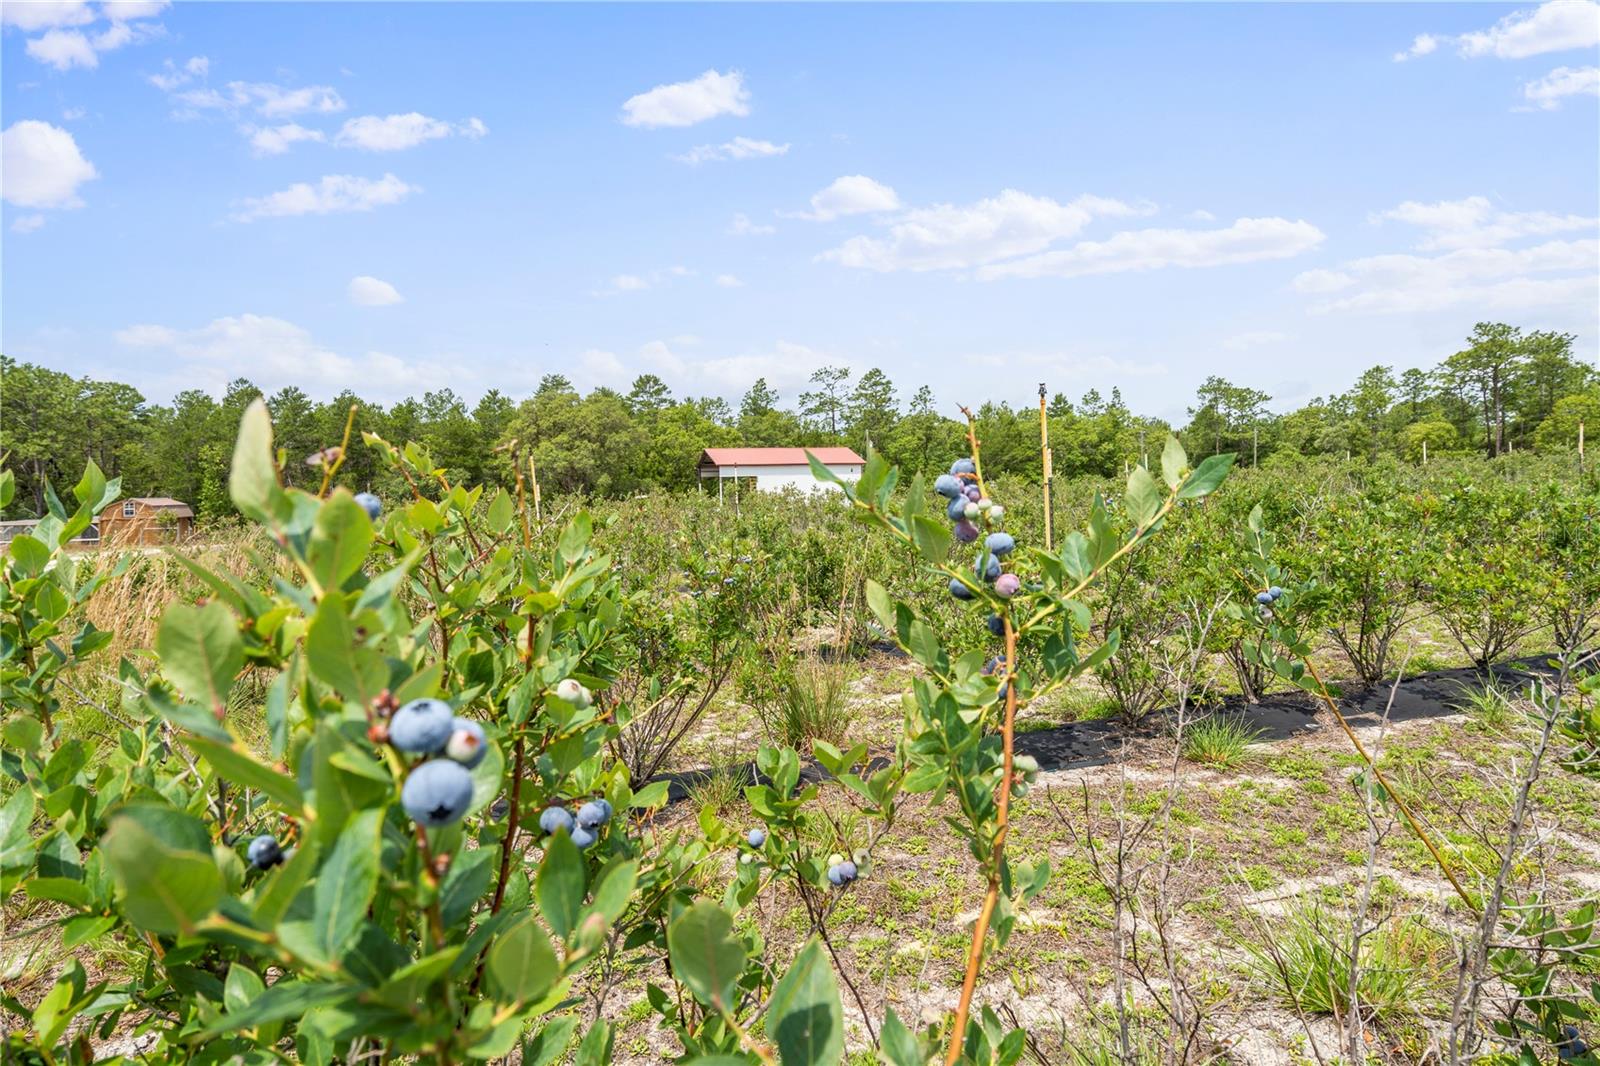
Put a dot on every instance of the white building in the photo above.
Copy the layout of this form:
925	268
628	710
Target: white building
776	469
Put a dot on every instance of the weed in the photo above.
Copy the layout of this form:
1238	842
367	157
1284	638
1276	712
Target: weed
1218	742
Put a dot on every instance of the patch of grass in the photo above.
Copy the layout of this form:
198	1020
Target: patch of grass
1489	707
722	790
1402	964
812	704
1218	742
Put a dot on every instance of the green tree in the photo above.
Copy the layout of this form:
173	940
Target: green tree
827	406
872	409
1484	370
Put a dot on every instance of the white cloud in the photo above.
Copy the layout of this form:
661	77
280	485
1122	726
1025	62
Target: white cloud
1474	222
787	366
334	193
685	103
1248	240
948	237
1555	26
393	133
1256	338
738	148
629	283
1202	215
173	76
1474	270
1423	44
741	226
73	114
27	223
275	140
127	10
853	194
1548	91
279	353
266	99
599	367
40	166
45	14
728	281
367	291
147	336
63	49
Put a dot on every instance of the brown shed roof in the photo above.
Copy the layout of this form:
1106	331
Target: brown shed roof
160	503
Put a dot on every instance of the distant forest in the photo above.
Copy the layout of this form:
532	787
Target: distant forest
1506	389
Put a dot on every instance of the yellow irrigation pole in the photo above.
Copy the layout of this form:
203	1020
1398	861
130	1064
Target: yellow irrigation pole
1044	449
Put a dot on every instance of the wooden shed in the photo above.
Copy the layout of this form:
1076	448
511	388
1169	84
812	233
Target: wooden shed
145	520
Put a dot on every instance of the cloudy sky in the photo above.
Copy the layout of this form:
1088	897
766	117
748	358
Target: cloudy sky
399	197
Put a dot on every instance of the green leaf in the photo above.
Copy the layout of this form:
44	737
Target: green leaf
345	885
545	1046
1143	499
652	795
286	999
253	481
522	966
234	763
595	1050
357	673
804	1015
820	471
880	603
1206	477
339	540
29	555
278	890
500	513
1174	461
200	652
932	538
560	884
706	955
900	1046
16	846
575	537
241	988
161	861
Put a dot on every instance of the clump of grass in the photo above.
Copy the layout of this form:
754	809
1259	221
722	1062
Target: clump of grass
1489	707
722	789
1218	742
1308	964
811	704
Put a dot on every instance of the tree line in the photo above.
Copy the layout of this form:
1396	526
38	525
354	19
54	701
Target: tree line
1505	390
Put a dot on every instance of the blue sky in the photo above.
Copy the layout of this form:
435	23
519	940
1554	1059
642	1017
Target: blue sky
399	197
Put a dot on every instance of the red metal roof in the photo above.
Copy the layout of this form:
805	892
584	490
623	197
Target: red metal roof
777	456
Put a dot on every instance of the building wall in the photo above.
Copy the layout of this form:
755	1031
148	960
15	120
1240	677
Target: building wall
146	526
797	476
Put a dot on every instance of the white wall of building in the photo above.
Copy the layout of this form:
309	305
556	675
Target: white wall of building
797	476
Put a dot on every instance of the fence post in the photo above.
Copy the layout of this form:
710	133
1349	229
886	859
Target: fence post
1044	451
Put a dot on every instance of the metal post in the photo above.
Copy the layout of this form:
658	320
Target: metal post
1044	451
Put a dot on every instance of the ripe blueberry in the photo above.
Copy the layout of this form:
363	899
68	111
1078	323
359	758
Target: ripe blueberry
836	874
1275	592
963	466
947	485
757	837
966	532
959	590
370	504
555	818
264	852
987	567
847	870
1000	543
972	493
467	744
594	814
956	509
1007	585
1263	597
582	837
422	726
996	625
499	808
437	793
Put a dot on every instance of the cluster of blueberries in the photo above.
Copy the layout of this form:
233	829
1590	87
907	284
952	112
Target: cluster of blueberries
1265	600
582	828
437	792
841	871
967	507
